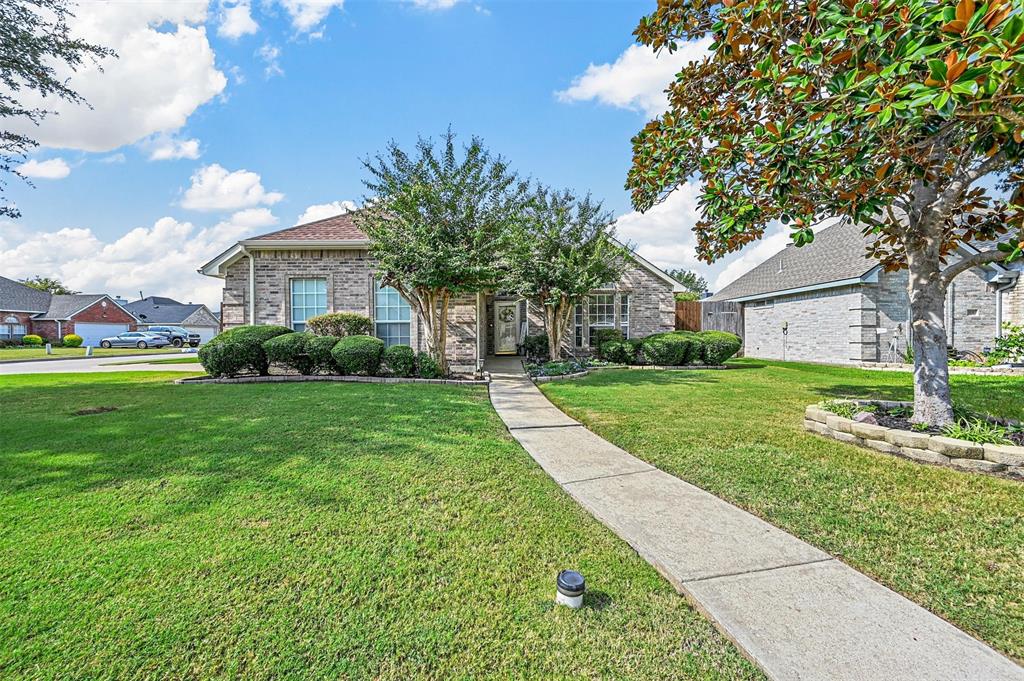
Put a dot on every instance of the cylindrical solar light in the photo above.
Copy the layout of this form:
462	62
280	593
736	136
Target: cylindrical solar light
570	586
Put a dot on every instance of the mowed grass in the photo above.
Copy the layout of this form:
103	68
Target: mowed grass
20	354
308	531
952	541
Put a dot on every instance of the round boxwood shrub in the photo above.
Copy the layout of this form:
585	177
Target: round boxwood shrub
427	367
32	339
239	351
358	355
340	324
620	351
718	346
602	336
72	340
319	349
667	349
400	360
290	350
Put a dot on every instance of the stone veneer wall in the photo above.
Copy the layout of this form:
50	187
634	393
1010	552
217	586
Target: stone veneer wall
970	313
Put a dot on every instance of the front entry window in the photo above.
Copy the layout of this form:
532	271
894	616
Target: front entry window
601	313
309	299
391	314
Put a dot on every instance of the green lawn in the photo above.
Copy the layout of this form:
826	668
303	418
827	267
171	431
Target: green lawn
19	354
952	541
308	531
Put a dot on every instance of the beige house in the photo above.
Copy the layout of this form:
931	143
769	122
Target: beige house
286	277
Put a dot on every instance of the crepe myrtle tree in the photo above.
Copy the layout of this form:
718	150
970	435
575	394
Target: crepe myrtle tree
888	112
438	220
563	248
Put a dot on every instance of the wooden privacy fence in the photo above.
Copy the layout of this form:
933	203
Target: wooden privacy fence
688	315
695	315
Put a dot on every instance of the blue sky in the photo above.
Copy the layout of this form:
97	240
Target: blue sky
226	119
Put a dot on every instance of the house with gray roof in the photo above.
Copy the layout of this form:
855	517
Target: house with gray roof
829	302
160	311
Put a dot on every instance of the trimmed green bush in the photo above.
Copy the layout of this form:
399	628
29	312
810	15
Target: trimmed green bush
239	351
358	355
72	340
602	336
290	350
667	349
718	346
319	350
32	339
400	360
340	324
620	351
426	366
536	345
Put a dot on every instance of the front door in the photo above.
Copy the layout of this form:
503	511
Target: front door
505	327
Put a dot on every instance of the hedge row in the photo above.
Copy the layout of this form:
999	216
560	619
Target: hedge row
674	348
253	349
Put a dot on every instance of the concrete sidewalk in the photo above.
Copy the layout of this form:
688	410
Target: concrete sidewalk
794	610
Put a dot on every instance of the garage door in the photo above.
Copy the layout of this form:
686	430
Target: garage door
92	333
205	332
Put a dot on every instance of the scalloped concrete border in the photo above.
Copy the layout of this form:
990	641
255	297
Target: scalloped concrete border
639	367
338	379
996	370
1000	460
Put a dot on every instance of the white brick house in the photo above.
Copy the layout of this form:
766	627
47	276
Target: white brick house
290	275
828	302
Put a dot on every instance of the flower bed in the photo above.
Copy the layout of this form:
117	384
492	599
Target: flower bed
996	447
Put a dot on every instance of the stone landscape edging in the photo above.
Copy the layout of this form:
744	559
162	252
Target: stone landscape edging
981	371
939	450
338	379
652	367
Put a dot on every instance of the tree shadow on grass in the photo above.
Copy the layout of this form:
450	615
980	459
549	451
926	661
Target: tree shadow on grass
650	377
877	392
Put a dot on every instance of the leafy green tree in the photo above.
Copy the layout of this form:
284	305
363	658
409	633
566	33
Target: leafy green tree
693	282
53	286
438	222
893	113
36	46
563	248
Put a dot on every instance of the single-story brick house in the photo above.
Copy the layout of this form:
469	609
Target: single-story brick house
25	310
286	277
160	311
829	302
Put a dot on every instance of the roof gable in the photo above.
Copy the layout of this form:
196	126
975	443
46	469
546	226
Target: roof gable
157	310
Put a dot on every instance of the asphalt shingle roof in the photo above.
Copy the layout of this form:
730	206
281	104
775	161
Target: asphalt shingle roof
62	307
837	253
17	296
158	310
336	228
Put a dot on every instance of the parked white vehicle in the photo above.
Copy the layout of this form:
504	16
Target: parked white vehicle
135	339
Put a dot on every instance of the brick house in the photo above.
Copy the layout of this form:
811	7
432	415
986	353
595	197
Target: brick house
286	277
828	302
25	310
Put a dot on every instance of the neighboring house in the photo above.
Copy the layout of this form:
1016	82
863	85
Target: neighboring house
93	316
158	311
290	275
828	302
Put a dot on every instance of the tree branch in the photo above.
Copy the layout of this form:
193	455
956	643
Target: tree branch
950	273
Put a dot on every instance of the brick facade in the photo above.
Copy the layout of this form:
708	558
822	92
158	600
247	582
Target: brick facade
102	311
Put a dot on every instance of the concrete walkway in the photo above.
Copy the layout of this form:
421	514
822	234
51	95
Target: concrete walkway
794	610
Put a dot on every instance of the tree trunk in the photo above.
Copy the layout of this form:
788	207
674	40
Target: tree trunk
554	333
432	308
932	404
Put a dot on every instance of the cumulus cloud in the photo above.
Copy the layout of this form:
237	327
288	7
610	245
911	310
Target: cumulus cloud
307	15
236	20
636	80
775	238
52	169
159	260
168	148
319	211
164	72
664	234
214	188
435	4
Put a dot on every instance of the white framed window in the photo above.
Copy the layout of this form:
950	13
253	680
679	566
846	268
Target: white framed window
391	315
578	325
600	312
309	299
11	331
624	314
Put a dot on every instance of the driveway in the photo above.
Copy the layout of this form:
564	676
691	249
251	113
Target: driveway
97	364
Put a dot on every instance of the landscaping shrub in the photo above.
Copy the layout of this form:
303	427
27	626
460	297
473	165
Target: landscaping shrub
602	336
400	360
72	340
358	355
319	350
427	367
239	351
340	324
536	345
1009	347
668	349
718	346
290	350
620	351
32	339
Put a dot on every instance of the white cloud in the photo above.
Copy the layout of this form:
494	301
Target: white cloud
164	72
307	15
637	80
664	234
52	169
271	55
168	148
236	20
114	158
319	211
159	260
435	4
214	188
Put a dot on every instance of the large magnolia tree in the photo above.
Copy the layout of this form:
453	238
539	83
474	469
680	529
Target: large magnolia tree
563	248
897	114
438	221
